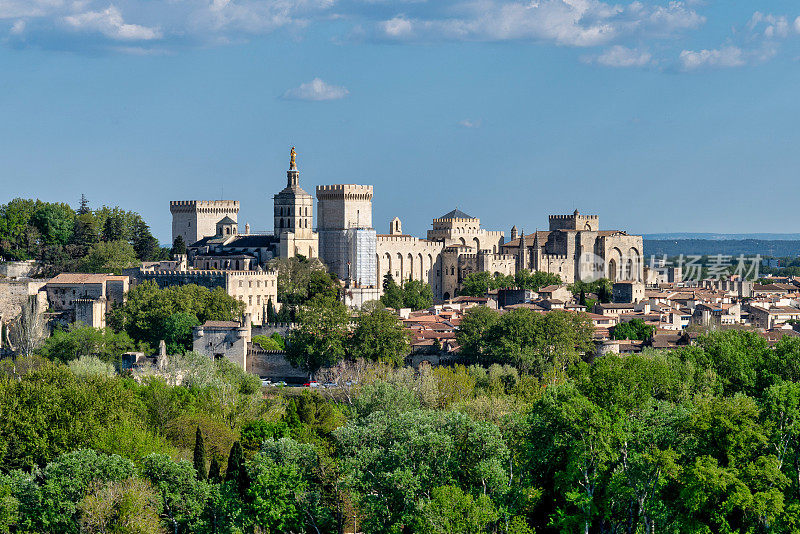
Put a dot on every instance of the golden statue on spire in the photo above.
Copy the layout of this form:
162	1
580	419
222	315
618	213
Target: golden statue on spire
292	163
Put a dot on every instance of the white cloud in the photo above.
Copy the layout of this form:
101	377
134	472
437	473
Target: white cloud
470	123
398	27
29	8
18	28
580	23
621	57
729	56
316	90
109	22
768	25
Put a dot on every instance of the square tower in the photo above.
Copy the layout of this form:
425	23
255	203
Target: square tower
195	219
347	240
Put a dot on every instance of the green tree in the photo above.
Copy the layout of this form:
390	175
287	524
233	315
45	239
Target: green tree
417	295
273	494
178	246
319	339
266	343
177	330
81	340
109	257
83	206
85	234
183	496
534	281
145	245
295	279
452	511
214	471
394	462
47	411
199	455
538	343
146	311
379	336
65	482
271	315
55	222
392	294
236	471
474	327
114	227
476	284
129	506
633	329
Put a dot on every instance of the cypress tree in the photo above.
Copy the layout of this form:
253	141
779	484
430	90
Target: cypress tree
236	471
271	315
214	470
178	246
199	455
83	208
582	300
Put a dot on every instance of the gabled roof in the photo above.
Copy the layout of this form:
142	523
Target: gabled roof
456	214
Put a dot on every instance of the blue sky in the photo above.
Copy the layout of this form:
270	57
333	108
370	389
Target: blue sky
658	116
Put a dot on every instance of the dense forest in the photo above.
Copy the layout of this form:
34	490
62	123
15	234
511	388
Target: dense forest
64	239
701	439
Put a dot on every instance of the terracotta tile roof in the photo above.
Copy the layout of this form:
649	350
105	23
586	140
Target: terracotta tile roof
221	324
84	278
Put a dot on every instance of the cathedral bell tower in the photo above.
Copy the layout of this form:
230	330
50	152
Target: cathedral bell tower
292	175
293	206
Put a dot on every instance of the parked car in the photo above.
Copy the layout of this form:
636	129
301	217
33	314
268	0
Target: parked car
311	385
266	382
279	384
330	385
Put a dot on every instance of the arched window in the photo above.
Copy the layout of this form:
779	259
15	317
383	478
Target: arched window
281	223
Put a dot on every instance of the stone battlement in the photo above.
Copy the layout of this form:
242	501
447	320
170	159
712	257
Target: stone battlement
181	205
472	221
349	191
410	239
208	272
567	217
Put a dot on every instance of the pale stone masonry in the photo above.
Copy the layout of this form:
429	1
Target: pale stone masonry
196	219
347	239
574	247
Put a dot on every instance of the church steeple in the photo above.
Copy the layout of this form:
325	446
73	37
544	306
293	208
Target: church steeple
292	175
294	208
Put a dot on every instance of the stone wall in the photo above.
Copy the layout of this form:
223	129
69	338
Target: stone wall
19	269
14	293
273	365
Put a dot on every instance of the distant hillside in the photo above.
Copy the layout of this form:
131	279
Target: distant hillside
723	237
733	247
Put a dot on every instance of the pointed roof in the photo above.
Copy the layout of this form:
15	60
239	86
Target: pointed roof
456	214
227	220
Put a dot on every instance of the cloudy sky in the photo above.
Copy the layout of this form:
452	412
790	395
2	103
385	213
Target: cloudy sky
656	115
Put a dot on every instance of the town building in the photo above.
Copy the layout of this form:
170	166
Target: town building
86	298
213	240
254	288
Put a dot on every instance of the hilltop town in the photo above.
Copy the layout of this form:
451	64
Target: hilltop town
581	269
